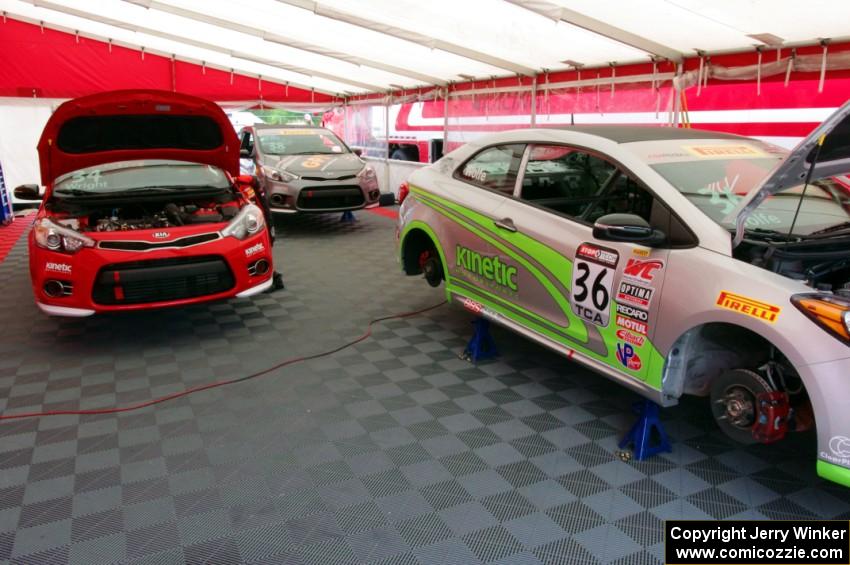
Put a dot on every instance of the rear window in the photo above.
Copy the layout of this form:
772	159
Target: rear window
90	134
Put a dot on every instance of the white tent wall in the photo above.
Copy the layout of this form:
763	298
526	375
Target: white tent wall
22	120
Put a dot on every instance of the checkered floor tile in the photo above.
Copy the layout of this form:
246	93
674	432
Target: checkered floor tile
393	451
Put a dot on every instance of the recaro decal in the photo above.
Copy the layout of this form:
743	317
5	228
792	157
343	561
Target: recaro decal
593	279
748	306
642	270
489	268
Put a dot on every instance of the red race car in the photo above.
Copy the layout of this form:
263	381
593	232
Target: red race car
143	207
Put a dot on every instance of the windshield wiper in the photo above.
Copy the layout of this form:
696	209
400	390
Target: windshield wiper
832	229
313	153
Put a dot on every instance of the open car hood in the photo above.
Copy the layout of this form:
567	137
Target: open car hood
124	125
829	144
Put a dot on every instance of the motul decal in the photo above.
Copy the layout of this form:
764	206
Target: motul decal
748	306
642	270
597	254
628	357
635	295
632	325
58	268
629	337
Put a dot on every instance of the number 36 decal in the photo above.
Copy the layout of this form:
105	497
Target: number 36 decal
593	278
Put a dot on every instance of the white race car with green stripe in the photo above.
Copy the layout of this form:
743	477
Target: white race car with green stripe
674	261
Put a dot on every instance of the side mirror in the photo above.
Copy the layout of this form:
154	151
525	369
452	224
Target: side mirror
628	228
357	151
246	179
244	154
28	192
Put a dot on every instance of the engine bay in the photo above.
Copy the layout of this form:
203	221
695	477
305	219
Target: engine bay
821	263
140	214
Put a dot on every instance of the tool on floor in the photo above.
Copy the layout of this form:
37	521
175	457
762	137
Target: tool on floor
348	216
481	346
647	434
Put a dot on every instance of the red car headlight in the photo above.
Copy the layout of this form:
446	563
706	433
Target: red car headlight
248	221
54	237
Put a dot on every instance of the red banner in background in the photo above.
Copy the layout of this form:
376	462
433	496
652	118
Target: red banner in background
45	63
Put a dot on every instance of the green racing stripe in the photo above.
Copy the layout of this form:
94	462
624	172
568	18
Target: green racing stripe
543	267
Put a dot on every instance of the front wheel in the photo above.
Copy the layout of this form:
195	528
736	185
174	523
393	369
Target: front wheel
734	403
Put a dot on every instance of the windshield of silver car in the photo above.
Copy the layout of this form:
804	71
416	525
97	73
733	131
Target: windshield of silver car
298	141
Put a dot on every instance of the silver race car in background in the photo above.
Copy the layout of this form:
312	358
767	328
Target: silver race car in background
673	261
308	169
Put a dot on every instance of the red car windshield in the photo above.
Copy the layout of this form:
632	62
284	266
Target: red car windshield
140	175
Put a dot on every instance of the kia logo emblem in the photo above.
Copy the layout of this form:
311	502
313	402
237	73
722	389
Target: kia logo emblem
160	234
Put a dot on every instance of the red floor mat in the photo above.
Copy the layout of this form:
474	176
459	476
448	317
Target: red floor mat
386	212
11	233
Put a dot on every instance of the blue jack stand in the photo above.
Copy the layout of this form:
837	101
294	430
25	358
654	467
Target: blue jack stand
348	216
482	346
641	433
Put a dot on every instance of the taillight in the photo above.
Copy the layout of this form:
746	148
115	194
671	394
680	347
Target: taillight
403	191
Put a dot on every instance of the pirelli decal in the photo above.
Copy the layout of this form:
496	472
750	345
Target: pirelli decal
748	306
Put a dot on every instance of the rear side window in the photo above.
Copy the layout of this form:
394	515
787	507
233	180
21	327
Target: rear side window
90	134
495	168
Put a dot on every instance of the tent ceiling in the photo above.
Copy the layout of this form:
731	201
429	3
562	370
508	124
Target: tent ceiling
344	47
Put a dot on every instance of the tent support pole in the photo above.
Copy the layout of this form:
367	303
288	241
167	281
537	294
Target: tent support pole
534	101
387	102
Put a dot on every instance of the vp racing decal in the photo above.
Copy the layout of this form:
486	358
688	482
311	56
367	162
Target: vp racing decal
593	279
628	357
748	306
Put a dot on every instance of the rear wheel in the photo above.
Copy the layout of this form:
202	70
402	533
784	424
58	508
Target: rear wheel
734	403
432	267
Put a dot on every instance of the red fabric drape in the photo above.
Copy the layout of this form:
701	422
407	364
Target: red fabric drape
53	64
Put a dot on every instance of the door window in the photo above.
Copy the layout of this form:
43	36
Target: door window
564	179
247	141
495	168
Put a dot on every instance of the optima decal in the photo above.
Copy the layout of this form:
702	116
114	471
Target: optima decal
748	306
58	268
490	268
635	295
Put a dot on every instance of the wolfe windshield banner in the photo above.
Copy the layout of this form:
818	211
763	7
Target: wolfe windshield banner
766	542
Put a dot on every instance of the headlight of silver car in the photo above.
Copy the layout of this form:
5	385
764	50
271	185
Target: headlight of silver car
276	175
54	237
248	221
368	173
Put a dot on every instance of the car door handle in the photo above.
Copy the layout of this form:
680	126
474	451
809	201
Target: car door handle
505	224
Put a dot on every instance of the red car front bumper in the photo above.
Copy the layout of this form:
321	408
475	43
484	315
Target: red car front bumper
133	270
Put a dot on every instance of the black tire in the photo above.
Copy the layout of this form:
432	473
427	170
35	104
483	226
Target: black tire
432	268
403	154
733	403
